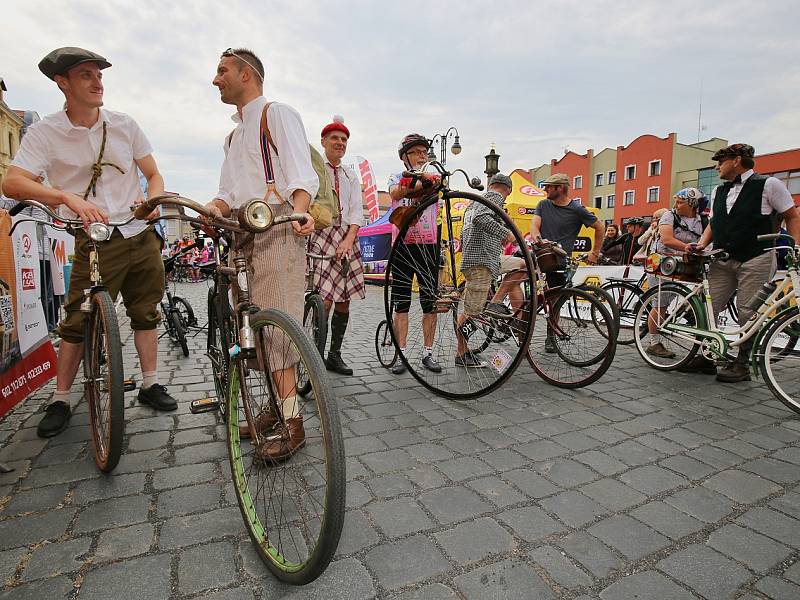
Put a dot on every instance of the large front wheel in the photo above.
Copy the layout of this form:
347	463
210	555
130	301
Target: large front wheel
103	384
779	358
290	476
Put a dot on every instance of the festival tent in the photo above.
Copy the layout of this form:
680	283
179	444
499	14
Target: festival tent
375	241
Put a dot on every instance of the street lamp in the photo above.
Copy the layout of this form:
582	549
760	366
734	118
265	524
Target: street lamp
491	164
442	138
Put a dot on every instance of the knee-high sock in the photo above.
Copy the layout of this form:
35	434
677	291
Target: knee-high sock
338	328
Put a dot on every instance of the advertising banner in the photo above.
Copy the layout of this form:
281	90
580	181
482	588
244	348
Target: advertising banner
62	245
369	188
27	358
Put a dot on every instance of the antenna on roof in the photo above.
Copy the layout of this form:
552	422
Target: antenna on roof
700	112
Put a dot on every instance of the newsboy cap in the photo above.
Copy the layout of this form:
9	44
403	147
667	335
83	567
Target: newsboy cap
502	179
734	150
557	179
61	60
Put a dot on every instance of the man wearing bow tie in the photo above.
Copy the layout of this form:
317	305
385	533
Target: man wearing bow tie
745	206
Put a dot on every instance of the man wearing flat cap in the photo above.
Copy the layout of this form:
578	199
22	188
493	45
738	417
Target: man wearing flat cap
340	280
90	156
745	206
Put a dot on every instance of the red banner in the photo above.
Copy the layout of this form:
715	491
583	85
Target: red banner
369	189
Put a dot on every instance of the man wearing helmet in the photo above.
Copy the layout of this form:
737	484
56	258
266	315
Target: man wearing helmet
417	254
745	206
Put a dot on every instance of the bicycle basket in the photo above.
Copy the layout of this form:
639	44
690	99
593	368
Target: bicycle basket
546	258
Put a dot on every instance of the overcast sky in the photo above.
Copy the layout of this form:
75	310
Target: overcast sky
531	77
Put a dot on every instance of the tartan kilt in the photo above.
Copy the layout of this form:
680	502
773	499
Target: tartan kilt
328	278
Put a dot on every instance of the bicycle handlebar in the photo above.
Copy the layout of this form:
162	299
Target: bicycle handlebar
770	237
67	223
474	183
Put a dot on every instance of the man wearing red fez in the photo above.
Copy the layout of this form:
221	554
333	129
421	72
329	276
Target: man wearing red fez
340	280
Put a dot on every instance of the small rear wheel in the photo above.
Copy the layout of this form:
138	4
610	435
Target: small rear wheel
384	347
186	311
179	327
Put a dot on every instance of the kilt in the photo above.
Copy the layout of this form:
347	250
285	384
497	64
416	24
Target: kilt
332	284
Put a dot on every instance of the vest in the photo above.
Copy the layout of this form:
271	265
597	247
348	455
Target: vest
737	232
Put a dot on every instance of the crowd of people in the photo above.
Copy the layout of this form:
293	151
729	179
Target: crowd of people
267	156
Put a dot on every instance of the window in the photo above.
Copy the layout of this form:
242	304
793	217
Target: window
630	172
610	199
598	202
654	167
652	194
791	179
612	177
598	179
577	182
629	198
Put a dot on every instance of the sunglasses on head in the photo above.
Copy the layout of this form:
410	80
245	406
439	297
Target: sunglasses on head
230	52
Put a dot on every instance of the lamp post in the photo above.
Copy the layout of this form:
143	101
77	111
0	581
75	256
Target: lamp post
442	138
492	168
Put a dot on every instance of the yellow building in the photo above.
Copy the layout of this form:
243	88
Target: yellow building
10	128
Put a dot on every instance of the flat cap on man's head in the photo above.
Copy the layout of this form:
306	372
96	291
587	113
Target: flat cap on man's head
557	179
734	150
61	60
502	180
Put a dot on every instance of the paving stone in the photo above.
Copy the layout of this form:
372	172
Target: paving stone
184	475
143	461
388	461
788	503
191	529
425	477
601	462
701	503
740	486
407	561
573	508
778	589
530	523
496	491
9	559
357	533
56	558
773	524
230	594
451	504
22	531
565	473
36	500
50	589
504	460
113	513
531	484
576	441
667	519
388	486
689	467
399	517
200	453
22	450
634	454
148	441
124	542
705	571
189	499
541	450
793	573
756	551
194	574
647	585
465	467
434	591
194	436
429	452
475	540
74	471
633	539
775	470
560	568
612	494
504	580
146	578
109	487
652	480
591	553
716	457
344	579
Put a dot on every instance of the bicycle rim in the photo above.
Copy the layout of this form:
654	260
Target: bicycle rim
582	341
626	298
384	347
217	349
779	358
293	509
185	310
420	273
315	322
662	306
103	386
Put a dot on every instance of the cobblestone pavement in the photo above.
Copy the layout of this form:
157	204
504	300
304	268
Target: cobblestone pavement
644	485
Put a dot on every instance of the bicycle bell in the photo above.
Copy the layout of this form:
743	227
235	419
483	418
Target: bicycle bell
256	216
99	232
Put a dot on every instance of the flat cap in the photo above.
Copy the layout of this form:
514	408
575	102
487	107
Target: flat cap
502	179
557	179
734	150
61	60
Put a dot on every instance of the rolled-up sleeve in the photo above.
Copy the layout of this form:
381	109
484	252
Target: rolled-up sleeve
289	136
777	195
354	214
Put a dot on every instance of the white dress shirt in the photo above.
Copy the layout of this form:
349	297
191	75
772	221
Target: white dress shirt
242	177
775	198
66	153
350	202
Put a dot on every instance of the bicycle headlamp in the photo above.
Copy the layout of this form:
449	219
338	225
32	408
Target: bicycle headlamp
256	216
669	265
99	232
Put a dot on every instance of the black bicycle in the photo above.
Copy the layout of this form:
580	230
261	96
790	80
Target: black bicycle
315	318
176	312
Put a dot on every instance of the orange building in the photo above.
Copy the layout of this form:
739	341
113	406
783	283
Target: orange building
644	176
578	168
784	165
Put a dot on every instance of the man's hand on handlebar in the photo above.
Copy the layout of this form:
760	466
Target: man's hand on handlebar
213	210
86	211
153	215
306	228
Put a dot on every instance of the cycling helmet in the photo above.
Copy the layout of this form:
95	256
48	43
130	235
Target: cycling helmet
692	196
411	140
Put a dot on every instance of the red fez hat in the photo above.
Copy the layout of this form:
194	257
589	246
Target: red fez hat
337	125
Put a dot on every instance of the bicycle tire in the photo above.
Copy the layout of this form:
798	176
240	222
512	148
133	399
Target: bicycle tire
454	382
627	298
217	348
103	370
779	357
315	322
608	301
180	331
186	311
384	347
290	492
578	358
692	314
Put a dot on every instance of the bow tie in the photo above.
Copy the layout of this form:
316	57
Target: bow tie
737	179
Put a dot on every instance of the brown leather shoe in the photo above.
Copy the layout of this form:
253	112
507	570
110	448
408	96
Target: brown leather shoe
734	372
282	444
264	422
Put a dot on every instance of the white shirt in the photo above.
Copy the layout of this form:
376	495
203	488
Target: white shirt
242	177
350	201
66	153
775	198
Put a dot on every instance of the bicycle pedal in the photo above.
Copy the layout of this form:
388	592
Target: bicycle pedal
128	385
203	405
